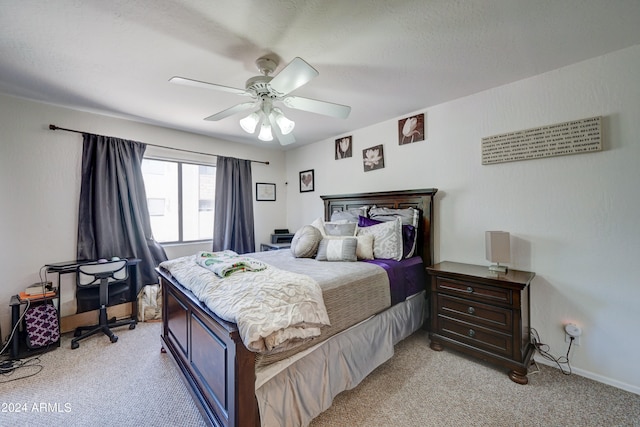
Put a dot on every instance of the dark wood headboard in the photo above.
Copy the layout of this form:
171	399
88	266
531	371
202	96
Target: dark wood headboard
419	199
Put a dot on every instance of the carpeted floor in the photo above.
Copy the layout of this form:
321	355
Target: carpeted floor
130	383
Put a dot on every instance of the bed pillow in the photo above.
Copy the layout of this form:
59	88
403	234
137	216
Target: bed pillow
350	215
387	239
410	222
409	236
340	228
337	249
319	224
305	242
364	247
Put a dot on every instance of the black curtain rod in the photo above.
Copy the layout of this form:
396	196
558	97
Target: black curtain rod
54	127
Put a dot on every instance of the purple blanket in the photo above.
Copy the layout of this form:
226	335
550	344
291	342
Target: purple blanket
406	277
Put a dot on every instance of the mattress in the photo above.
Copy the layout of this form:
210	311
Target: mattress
352	291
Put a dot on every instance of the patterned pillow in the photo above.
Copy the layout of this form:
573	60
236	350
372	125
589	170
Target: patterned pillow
305	242
387	239
409	236
334	249
410	224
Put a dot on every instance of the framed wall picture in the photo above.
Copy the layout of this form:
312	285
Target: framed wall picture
343	147
265	192
373	158
306	181
411	129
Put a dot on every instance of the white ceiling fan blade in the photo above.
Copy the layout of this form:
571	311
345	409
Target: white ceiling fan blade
230	111
320	107
284	139
294	75
197	83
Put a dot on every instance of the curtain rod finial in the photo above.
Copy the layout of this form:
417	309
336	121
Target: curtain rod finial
53	127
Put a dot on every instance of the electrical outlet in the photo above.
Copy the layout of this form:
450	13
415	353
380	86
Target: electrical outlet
572	330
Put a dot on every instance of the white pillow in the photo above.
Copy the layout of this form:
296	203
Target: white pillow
319	224
387	239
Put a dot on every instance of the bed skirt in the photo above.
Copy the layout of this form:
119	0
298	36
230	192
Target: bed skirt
320	373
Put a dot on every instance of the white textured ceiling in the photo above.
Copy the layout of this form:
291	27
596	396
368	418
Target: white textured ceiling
383	58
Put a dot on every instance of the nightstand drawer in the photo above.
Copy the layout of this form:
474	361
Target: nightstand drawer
475	312
476	336
475	291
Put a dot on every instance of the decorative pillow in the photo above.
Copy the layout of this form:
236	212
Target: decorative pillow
409	236
333	249
350	215
319	224
387	239
364	248
340	228
410	218
305	242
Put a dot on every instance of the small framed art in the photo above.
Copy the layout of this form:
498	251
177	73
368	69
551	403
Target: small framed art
373	158
306	181
343	147
411	129
265	192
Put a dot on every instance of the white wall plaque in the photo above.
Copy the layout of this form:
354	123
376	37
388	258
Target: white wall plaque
578	136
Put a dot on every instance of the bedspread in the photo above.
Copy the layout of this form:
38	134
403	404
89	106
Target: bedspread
274	309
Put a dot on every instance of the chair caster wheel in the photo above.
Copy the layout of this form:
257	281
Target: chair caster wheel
114	338
132	326
74	345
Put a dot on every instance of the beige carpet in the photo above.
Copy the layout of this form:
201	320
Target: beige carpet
130	383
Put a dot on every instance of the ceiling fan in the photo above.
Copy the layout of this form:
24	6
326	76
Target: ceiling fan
267	90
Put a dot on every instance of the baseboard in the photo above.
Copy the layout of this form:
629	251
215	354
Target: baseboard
587	374
70	323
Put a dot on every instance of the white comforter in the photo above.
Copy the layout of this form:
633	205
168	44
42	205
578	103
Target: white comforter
274	309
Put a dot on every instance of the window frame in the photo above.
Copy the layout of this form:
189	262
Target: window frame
179	164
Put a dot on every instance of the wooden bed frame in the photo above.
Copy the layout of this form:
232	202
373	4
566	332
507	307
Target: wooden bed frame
216	366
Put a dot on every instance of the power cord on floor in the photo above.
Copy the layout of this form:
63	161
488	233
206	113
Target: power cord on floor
20	368
543	349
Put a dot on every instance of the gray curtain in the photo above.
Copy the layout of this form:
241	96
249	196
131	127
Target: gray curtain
113	215
233	223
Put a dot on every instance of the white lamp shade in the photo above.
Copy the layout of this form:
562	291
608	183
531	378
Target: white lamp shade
285	125
250	122
265	132
497	246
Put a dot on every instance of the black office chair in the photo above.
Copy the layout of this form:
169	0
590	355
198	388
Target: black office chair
102	275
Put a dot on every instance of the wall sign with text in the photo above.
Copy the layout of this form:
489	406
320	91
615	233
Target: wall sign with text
578	136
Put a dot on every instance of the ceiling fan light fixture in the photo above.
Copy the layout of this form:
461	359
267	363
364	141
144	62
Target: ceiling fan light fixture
250	122
285	125
265	132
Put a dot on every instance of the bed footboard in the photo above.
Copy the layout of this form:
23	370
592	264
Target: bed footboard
216	366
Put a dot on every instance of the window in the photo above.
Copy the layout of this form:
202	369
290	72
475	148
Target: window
181	198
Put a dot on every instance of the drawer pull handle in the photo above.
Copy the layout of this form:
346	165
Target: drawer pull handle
469	289
472	333
471	310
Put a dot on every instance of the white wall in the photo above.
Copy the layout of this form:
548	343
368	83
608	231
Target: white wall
573	219
40	186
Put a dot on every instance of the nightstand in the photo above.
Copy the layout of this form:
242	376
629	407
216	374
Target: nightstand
483	314
273	246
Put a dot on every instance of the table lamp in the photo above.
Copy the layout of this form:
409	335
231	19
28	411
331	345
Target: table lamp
497	249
